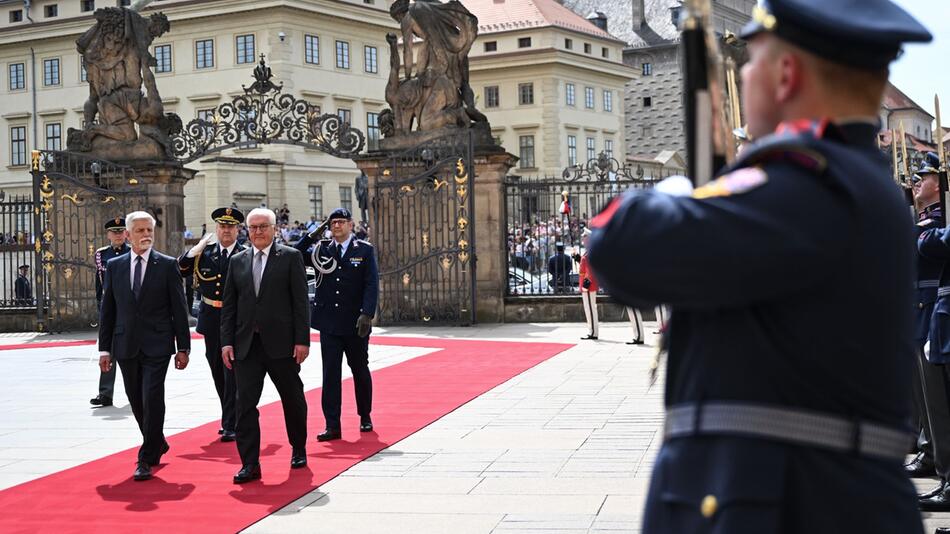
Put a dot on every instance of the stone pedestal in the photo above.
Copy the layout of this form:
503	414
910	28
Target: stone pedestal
166	202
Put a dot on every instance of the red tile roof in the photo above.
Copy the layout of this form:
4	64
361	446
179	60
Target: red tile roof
506	15
895	99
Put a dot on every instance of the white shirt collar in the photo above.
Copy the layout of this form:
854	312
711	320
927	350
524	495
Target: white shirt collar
229	249
145	255
344	245
266	250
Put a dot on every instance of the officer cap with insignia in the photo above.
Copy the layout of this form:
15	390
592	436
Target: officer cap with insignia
929	165
864	34
340	213
115	224
227	216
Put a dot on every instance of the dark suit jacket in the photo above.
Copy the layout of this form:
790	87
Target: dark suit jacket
23	289
279	313
154	322
350	290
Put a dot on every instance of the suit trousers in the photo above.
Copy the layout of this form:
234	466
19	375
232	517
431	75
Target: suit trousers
921	425
224	382
332	349
589	299
935	388
285	374
144	379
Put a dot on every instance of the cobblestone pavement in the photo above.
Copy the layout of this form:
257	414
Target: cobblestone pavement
566	447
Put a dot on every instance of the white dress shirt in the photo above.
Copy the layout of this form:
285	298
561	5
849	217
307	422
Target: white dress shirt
266	252
344	245
132	257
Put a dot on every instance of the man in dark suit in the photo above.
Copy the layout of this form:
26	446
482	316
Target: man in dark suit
22	288
343	310
143	316
264	331
115	230
208	265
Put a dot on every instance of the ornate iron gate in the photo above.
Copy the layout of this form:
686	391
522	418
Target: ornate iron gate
423	204
74	195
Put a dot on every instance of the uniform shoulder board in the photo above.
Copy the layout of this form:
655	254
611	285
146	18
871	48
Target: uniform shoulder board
102	249
364	242
734	183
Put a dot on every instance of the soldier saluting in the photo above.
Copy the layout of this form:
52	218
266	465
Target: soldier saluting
775	420
209	267
115	231
343	310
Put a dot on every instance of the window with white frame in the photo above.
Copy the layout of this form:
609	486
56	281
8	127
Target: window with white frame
609	147
18	145
17	78
570	94
571	150
608	100
244	45
204	53
346	198
525	93
316	201
369	59
83	74
526	151
345	115
54	136
311	46
163	58
342	55
51	71
591	149
372	130
491	96
589	97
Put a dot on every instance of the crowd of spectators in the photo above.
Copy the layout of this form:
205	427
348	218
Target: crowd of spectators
532	243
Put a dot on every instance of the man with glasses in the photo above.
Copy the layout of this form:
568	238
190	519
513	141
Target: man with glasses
208	266
264	332
343	310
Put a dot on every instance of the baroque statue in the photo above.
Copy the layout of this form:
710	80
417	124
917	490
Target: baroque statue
121	122
428	88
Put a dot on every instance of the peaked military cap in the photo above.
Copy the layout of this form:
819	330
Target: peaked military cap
865	34
930	164
340	213
116	224
227	216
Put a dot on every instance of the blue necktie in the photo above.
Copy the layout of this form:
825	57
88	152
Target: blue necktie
137	284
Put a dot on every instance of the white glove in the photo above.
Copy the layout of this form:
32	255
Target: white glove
677	186
195	250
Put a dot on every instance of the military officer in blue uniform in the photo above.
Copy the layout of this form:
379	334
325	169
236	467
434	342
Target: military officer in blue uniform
343	309
934	300
115	231
208	265
788	387
929	391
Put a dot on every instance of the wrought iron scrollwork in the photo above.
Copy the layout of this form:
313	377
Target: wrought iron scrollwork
605	168
263	114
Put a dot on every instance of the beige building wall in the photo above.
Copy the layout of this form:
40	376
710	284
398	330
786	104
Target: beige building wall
548	65
273	174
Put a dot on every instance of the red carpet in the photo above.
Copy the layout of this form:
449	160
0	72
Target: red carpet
192	489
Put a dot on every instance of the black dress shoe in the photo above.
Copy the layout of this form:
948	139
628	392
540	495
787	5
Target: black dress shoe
220	431
938	503
228	435
920	467
101	401
941	530
143	471
298	459
937	489
329	435
366	424
248	473
635	342
589	337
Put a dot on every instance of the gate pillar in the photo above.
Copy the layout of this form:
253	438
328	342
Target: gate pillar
491	277
166	197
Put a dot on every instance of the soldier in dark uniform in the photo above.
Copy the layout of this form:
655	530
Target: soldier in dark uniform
115	230
778	419
929	398
933	309
22	288
343	309
208	265
560	267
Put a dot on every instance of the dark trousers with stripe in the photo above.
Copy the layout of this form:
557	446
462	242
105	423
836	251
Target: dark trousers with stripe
224	382
935	386
332	349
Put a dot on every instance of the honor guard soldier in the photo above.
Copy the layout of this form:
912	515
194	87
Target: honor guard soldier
343	308
933	322
115	231
588	288
209	267
777	421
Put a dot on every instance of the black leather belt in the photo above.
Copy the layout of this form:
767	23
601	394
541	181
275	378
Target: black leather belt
789	425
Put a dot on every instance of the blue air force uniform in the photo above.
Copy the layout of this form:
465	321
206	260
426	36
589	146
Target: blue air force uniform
102	257
209	269
778	420
347	293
